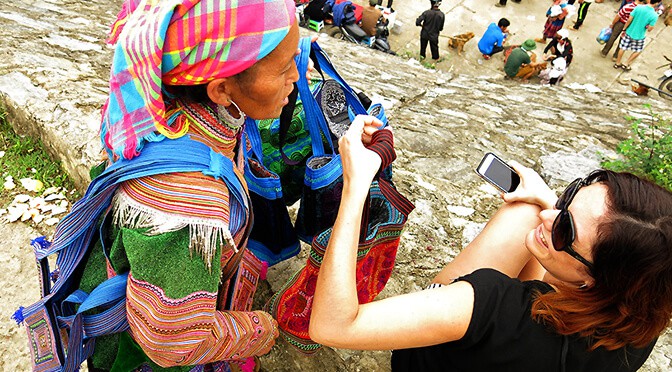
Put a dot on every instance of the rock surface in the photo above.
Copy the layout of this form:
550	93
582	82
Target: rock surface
53	81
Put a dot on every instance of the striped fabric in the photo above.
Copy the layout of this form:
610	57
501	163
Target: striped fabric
180	42
189	331
169	202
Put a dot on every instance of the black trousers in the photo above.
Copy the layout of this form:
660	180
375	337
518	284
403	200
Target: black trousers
503	2
389	3
496	49
433	47
583	10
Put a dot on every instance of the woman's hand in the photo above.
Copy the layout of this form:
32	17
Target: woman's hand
360	165
532	189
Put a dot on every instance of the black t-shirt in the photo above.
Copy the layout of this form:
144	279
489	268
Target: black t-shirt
502	336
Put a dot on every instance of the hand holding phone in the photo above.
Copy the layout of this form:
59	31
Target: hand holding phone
498	173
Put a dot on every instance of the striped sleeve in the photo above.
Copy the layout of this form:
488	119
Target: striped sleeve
189	331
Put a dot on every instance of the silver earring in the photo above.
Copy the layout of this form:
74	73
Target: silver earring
228	119
583	286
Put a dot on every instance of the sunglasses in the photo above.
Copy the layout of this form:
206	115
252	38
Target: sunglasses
564	231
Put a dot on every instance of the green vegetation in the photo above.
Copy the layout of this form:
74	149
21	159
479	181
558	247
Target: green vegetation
648	151
25	157
426	63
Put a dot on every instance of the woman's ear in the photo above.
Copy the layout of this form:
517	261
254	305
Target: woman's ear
218	91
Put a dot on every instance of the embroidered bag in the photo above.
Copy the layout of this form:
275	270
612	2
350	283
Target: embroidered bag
328	116
285	144
60	338
273	238
384	217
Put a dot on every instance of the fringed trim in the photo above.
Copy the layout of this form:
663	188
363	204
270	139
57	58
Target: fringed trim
204	233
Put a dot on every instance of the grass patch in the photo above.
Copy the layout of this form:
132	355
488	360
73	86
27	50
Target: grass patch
425	62
25	157
648	151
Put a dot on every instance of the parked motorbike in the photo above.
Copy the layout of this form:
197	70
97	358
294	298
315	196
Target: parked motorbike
665	87
354	34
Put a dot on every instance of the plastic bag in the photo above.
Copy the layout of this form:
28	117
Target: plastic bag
604	35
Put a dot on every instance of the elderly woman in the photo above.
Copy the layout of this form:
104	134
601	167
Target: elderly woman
185	75
580	282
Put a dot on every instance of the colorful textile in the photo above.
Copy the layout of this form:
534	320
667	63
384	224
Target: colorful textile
170	202
189	331
376	254
177	302
552	26
180	42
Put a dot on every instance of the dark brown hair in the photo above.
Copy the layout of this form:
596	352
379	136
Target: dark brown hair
630	302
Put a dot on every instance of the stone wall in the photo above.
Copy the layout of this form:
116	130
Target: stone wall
53	78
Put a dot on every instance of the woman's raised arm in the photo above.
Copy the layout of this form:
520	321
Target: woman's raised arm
410	320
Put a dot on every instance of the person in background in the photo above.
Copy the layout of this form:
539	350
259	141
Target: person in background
370	17
579	282
522	61
560	46
554	73
493	38
555	19
431	22
617	27
641	20
581	13
389	4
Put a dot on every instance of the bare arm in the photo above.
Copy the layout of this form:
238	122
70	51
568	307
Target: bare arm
616	19
500	245
410	320
627	24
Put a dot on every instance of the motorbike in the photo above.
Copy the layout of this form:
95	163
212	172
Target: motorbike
354	34
665	87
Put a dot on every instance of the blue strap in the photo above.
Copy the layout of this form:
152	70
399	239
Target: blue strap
84	328
75	231
315	122
111	291
267	187
253	135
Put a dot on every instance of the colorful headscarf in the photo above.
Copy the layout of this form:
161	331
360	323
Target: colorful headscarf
180	42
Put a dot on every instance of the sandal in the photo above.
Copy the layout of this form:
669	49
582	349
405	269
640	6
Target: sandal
617	66
626	67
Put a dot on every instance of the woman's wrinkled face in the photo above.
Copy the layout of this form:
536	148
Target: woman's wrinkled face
588	209
261	91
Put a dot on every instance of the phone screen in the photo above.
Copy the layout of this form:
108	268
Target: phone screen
495	171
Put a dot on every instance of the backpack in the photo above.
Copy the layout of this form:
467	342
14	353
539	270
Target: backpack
61	337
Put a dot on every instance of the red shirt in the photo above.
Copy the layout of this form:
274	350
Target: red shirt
625	11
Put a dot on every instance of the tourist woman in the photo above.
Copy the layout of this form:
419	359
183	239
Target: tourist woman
582	282
185	77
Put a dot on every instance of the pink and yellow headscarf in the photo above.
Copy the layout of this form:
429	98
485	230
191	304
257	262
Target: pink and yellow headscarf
180	42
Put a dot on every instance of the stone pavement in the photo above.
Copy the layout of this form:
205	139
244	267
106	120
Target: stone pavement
527	22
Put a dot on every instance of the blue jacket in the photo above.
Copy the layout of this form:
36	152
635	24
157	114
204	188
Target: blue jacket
493	35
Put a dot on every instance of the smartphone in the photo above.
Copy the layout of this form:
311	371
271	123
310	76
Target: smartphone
497	172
